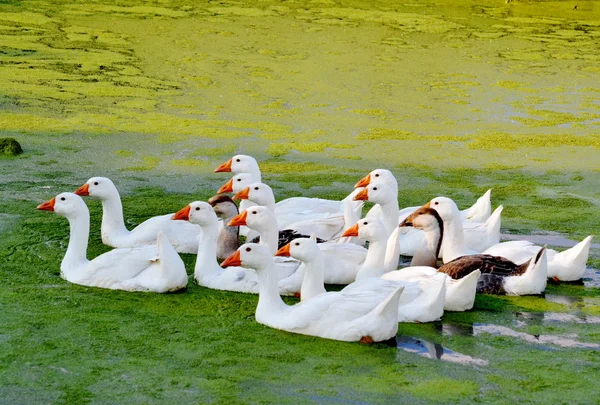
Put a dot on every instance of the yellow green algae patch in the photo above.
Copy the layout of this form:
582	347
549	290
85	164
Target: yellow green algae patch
147	163
282	149
502	140
281	167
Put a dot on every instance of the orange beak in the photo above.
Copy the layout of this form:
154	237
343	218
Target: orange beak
183	214
284	250
352	231
239	219
364	182
362	195
225	167
242	195
233	260
47	206
83	191
226	188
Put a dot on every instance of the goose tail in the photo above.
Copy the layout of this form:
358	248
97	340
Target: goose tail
460	294
481	210
570	264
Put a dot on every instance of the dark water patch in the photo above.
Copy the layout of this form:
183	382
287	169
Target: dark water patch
562	341
564	299
425	348
591	278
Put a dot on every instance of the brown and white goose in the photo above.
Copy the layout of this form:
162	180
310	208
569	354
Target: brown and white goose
499	275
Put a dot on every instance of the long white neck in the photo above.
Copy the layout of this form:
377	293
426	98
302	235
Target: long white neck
453	243
112	216
392	251
389	215
269	301
206	262
76	255
373	265
314	277
269	235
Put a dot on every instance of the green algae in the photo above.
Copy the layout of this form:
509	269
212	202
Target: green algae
147	163
445	389
10	147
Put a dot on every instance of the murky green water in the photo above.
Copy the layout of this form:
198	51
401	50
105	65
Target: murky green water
455	97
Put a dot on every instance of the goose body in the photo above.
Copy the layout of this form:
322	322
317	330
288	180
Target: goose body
182	235
151	268
366	314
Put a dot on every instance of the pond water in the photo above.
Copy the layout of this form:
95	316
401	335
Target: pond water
454	97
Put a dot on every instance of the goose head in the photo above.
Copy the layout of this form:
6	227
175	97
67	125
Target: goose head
67	205
304	249
260	193
237	183
198	212
377	176
424	218
239	164
369	229
445	207
250	255
223	206
97	187
378	193
256	217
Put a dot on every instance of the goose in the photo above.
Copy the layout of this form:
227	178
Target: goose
460	293
366	314
207	271
182	235
500	276
229	236
519	252
343	260
428	306
152	268
478	236
326	226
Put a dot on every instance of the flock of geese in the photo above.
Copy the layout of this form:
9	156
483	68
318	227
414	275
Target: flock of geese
299	244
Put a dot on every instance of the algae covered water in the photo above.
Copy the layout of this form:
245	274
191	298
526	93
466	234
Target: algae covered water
454	97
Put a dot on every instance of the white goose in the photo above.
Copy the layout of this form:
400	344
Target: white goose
342	259
428	306
182	235
519	252
478	235
325	226
207	271
153	268
367	314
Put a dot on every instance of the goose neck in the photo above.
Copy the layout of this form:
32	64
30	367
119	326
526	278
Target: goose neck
453	241
112	216
269	300
76	255
206	262
314	277
373	265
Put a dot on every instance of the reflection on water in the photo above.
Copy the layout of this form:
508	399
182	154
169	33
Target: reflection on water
432	350
563	299
562	341
455	329
591	278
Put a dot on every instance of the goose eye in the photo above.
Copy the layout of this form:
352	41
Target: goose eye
374	188
248	250
197	208
377	175
256	188
436	203
239	179
95	183
254	212
62	198
297	244
237	160
365	223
